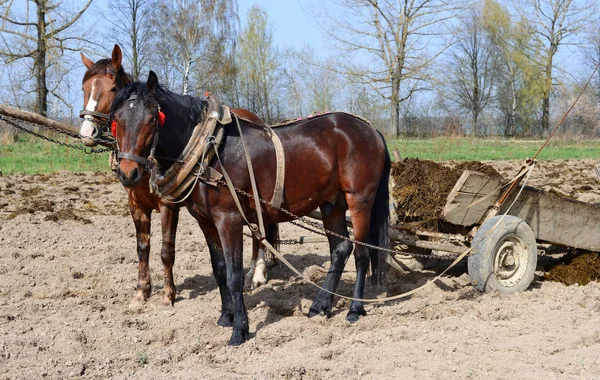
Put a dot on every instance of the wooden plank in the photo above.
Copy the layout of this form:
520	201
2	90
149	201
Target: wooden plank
466	204
557	219
41	120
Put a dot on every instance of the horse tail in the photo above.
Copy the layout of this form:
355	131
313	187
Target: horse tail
380	220
272	236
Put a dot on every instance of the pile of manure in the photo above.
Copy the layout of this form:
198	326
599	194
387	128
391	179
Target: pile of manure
420	187
575	268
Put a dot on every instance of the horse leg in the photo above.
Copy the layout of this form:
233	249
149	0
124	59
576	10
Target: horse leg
230	233
169	216
360	210
257	274
141	220
334	219
217	262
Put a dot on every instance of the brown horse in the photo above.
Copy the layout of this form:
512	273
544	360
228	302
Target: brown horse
100	84
336	162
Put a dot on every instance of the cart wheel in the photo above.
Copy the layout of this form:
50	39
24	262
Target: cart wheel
504	255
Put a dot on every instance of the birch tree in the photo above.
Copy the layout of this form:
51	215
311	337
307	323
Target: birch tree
185	35
36	34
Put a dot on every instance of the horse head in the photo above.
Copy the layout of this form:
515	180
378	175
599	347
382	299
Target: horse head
101	82
136	121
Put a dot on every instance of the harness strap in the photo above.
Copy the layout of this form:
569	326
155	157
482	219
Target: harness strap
277	199
133	157
261	225
235	197
99	115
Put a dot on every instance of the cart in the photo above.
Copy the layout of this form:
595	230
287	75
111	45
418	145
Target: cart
503	253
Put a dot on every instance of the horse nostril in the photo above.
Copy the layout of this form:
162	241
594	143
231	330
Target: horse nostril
135	174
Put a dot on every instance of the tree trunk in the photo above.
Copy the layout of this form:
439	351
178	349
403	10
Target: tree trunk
395	107
546	113
41	104
186	77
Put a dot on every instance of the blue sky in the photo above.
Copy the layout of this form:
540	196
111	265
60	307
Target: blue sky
293	26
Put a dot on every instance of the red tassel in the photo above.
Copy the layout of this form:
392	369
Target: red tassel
161	118
113	128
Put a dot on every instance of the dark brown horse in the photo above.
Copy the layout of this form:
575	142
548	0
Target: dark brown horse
336	162
100	84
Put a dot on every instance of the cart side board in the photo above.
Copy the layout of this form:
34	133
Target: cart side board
552	217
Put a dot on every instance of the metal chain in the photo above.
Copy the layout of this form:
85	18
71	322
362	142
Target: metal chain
78	147
323	231
315	227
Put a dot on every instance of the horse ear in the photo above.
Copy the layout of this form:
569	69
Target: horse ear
117	57
86	61
152	83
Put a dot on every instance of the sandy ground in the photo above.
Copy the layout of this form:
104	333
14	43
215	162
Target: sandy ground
68	269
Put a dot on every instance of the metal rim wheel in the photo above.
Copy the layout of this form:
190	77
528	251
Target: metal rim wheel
503	256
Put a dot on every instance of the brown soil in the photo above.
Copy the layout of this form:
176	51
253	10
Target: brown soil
65	287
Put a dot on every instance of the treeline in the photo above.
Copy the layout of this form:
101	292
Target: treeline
420	68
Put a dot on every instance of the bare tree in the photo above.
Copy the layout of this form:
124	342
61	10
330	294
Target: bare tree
592	56
396	41
130	27
38	34
552	23
472	71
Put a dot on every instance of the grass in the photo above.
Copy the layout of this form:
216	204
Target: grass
32	155
467	149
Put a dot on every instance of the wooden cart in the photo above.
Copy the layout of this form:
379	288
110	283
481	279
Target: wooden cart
504	247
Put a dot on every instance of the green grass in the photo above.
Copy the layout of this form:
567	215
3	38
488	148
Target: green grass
466	149
33	155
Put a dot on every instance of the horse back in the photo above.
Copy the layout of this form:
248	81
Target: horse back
325	157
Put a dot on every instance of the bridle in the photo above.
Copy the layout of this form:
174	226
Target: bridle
102	120
148	162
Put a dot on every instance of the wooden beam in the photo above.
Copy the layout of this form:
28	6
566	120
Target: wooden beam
41	120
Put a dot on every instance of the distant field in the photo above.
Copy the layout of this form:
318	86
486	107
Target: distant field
465	149
32	155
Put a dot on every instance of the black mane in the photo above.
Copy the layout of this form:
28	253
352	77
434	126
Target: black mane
182	112
169	101
101	67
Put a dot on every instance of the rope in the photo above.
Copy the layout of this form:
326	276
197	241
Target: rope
406	294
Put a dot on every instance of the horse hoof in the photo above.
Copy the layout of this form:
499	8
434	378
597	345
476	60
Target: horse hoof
225	320
319	307
313	312
238	338
166	301
354	315
137	302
